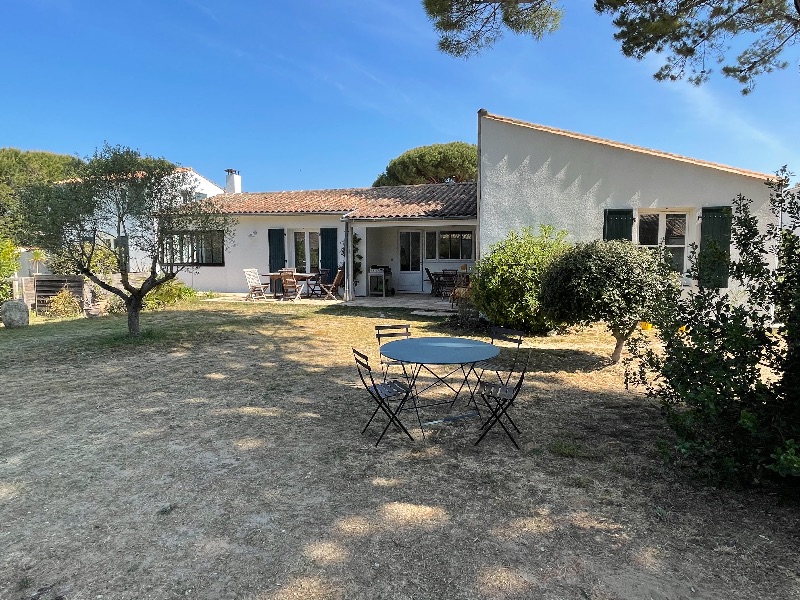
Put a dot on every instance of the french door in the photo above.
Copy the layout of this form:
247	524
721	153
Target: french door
410	276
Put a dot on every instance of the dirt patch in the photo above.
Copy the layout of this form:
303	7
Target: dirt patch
222	458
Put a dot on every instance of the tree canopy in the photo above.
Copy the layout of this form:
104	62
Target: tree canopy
437	163
747	38
615	282
19	168
127	204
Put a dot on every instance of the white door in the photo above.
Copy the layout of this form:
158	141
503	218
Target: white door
409	276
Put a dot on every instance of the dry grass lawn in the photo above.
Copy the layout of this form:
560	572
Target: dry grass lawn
221	457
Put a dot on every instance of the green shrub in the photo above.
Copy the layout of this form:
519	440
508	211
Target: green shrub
616	282
168	293
728	382
505	283
63	305
8	266
115	305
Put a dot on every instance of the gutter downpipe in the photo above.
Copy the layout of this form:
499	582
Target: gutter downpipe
348	260
481	113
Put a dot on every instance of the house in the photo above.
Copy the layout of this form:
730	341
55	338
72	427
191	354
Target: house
406	228
600	189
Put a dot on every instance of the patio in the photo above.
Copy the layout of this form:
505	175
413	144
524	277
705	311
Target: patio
415	302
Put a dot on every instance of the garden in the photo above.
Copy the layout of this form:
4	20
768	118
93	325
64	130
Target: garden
219	455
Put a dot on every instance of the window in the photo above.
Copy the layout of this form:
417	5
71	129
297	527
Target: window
666	228
194	248
306	250
448	245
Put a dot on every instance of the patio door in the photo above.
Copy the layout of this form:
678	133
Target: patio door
409	277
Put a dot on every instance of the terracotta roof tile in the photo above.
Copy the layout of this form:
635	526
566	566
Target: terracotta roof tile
431	201
597	140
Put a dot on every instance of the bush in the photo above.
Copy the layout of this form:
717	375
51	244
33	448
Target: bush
728	382
168	293
505	283
64	305
616	282
8	266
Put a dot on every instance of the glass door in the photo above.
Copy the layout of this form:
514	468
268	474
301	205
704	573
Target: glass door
409	278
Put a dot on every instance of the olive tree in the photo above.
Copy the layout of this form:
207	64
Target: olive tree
505	282
615	282
124	203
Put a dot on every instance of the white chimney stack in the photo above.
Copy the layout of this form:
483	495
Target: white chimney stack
233	182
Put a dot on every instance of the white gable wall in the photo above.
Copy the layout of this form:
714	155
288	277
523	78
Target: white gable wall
531	177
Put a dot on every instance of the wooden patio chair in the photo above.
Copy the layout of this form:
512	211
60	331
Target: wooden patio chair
291	288
332	290
256	289
447	283
461	289
314	288
434	282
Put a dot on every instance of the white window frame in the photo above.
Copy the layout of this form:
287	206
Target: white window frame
307	241
689	233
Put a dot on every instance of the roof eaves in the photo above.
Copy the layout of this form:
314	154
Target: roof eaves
623	146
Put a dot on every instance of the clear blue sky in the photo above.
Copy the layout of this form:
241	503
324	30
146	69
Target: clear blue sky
309	94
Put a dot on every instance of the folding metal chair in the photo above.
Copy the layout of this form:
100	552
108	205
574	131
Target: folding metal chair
386	333
384	394
499	365
499	398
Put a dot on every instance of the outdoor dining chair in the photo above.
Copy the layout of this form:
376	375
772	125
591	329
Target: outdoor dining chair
385	333
384	394
256	289
332	290
447	283
291	288
434	282
314	284
499	399
500	364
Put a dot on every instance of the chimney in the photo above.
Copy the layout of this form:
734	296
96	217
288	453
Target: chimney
233	182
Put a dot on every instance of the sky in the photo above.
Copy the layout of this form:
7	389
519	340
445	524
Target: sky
316	94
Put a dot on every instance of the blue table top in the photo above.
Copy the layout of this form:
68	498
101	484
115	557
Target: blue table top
439	350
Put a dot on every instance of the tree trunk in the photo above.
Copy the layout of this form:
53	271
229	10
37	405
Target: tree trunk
621	337
134	309
617	354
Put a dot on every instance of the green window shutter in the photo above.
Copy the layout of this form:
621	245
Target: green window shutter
618	224
277	249
328	255
715	246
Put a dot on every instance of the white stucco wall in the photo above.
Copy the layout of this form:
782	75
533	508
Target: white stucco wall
204	186
251	250
531	177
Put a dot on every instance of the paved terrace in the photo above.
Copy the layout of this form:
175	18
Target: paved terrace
424	302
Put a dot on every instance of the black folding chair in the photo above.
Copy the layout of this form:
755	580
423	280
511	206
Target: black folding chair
386	333
500	364
384	394
499	398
